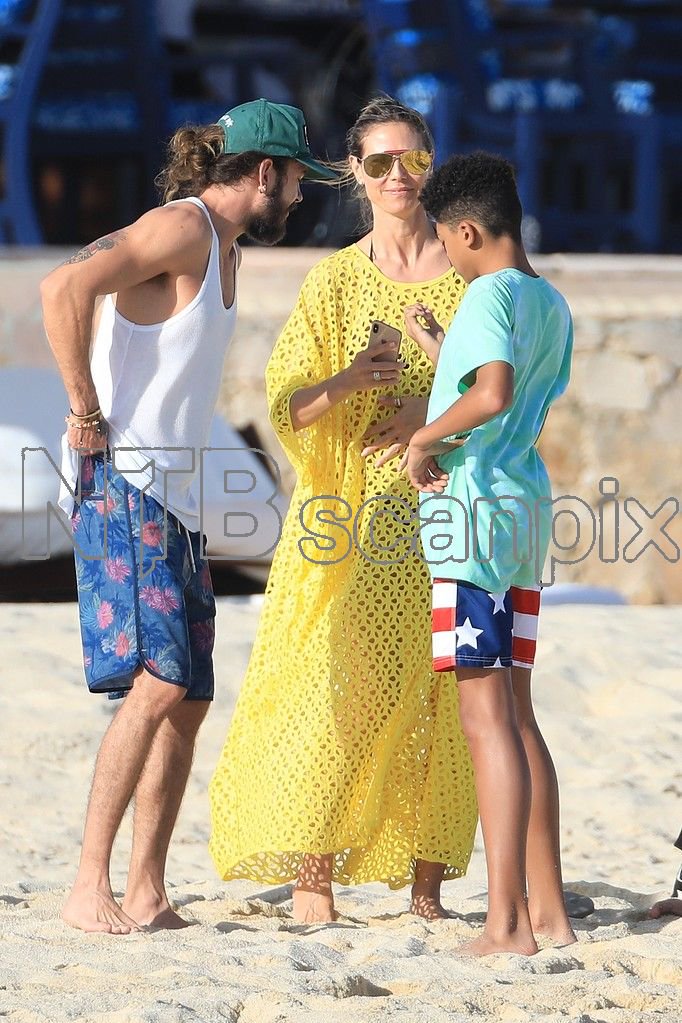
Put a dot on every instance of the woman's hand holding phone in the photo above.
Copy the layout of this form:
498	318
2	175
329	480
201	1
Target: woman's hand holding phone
377	365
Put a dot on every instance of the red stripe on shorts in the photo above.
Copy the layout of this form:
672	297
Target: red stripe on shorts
523	650
443	619
444	663
525	602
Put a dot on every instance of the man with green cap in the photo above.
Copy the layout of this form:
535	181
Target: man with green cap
140	412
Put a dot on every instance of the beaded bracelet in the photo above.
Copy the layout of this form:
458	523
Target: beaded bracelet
82	423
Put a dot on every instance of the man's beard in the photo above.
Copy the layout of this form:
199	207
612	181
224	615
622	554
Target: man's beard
269	227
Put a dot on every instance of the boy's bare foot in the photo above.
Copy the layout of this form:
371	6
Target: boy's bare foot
153	911
313	907
486	945
666	907
427	905
95	911
555	926
558	935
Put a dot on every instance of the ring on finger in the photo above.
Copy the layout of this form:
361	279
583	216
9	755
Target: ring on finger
397	401
376	374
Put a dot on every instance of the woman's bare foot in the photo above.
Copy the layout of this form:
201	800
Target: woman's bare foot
313	907
427	905
486	945
313	897
93	911
428	877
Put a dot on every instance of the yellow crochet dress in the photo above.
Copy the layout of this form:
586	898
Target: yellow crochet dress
343	740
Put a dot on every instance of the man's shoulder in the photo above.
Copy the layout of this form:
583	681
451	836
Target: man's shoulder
176	238
183	222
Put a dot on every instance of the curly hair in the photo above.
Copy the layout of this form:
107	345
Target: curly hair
478	186
196	160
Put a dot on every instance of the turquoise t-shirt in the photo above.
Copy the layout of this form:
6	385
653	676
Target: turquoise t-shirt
491	527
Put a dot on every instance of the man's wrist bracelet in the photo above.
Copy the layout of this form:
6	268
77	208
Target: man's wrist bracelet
79	423
97	414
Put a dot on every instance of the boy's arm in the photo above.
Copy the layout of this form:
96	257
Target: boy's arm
489	396
479	345
165	240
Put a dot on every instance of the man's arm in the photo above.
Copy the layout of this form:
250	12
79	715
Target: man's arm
165	240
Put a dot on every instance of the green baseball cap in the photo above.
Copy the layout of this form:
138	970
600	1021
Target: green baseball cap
275	129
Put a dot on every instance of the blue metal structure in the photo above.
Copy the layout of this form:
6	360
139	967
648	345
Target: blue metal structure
82	80
26	31
585	100
103	98
552	92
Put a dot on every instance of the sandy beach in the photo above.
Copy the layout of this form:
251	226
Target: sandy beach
608	698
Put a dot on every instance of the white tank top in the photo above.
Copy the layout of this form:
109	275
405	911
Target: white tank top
157	386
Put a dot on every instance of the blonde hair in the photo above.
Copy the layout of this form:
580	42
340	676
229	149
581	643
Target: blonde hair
380	110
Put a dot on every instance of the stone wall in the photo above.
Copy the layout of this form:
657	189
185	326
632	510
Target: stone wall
621	418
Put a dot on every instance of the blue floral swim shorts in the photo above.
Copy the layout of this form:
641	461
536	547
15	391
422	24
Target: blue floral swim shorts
144	590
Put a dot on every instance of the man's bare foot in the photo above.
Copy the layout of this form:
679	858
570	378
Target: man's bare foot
153	912
666	907
96	912
486	945
428	906
313	907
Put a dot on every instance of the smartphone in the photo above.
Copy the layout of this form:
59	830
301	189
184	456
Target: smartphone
383	333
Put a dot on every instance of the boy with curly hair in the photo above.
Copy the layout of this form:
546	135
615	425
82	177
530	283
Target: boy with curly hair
485	525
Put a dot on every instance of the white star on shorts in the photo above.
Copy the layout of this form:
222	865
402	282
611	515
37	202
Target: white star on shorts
498	600
467	635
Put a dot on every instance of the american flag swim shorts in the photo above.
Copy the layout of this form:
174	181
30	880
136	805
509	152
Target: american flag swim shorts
472	628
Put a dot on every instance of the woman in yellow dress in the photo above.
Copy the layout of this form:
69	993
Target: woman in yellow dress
345	760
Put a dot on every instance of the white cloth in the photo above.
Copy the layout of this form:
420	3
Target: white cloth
157	386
